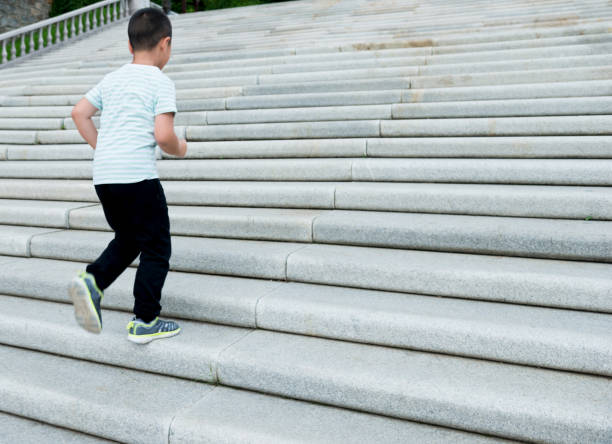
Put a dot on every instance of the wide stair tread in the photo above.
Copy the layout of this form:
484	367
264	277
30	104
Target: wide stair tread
182	410
534	336
272	362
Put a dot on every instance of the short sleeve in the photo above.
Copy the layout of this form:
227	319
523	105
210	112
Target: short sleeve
166	97
94	95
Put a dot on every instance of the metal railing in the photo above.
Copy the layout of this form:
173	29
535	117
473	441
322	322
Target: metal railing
34	38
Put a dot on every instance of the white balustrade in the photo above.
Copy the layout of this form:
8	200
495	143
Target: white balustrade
50	28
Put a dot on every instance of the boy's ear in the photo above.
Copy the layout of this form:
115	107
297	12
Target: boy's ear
130	48
164	42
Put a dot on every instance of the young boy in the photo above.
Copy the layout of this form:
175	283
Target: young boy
138	105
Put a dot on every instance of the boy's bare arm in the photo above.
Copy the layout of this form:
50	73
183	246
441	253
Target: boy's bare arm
165	136
81	115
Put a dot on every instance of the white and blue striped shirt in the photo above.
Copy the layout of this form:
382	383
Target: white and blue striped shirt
129	98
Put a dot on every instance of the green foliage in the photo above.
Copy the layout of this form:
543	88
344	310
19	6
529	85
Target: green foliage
219	4
214	4
59	7
62	6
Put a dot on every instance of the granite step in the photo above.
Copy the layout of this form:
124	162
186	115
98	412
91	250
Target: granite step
25	431
372	36
290	148
516	65
499	399
551	41
377	63
502	171
459	94
495	108
318	86
383	63
499	78
517	54
45	106
51	328
236	257
497	34
504	126
546	282
474	147
543	337
503	236
107	396
95	399
428	64
432	48
510	236
292	225
425	147
565	202
417	82
487	108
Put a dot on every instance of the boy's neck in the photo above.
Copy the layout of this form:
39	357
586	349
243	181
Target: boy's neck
145	59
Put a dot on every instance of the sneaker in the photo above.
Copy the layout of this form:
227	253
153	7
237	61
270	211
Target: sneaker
141	332
86	298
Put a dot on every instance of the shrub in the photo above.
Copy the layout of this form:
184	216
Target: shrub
215	4
62	6
59	7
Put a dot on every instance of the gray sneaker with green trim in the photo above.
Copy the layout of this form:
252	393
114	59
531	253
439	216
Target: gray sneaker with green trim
141	332
86	298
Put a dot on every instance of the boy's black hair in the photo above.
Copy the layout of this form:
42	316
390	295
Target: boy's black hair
147	27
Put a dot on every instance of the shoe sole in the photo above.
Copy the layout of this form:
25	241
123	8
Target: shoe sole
84	311
146	339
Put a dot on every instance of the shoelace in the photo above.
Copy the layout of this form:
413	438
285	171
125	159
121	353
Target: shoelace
133	323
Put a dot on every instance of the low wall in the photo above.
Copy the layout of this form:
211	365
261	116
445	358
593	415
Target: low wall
17	13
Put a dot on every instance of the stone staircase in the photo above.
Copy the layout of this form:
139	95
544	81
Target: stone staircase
393	225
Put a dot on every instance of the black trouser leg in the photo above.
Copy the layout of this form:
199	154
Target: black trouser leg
139	215
153	268
113	261
122	250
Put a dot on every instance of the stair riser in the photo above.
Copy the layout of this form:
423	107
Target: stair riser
537	107
463	234
440	47
581	285
459	403
378	63
502	171
401	320
259	414
584	147
493	200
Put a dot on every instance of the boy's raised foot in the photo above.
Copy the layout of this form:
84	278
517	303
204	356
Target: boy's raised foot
142	333
86	298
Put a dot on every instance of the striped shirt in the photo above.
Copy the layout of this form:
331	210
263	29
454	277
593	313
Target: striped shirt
129	98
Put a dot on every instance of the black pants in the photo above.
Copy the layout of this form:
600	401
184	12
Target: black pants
138	214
